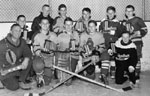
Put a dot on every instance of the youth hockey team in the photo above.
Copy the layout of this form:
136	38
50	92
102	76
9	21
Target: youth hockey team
114	49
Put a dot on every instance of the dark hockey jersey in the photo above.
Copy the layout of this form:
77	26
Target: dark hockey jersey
126	52
111	29
136	27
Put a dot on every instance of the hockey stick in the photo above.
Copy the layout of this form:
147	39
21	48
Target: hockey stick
57	85
90	80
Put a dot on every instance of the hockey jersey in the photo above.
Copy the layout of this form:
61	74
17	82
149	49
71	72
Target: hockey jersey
58	24
136	27
81	25
126	52
65	42
40	40
111	29
93	40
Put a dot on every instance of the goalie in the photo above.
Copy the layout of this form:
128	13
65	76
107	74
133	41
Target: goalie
68	41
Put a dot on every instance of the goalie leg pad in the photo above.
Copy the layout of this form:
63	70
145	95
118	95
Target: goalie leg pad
63	62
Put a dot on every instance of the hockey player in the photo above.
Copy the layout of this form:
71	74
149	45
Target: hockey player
137	28
68	40
25	34
44	13
21	20
82	24
126	59
44	42
110	27
58	25
91	41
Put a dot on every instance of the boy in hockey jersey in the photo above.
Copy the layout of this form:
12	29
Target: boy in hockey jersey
44	13
126	59
43	42
89	42
110	27
25	34
58	25
68	40
137	28
82	23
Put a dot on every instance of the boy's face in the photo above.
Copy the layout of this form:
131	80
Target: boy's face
129	12
22	21
44	24
125	37
45	11
68	25
16	32
63	11
110	14
86	15
92	27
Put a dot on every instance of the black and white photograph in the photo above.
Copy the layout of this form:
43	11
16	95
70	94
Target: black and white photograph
74	47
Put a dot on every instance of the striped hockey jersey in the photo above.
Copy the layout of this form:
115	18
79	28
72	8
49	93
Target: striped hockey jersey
126	52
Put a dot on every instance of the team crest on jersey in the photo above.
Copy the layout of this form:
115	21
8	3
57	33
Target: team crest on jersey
10	57
129	28
90	43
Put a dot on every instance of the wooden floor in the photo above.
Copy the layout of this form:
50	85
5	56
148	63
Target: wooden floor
83	88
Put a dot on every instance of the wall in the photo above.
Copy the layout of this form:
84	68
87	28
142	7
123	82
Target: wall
10	9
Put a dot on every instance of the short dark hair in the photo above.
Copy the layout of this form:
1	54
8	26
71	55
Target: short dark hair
125	32
44	18
45	5
111	8
20	17
14	25
86	9
68	19
92	21
130	6
62	6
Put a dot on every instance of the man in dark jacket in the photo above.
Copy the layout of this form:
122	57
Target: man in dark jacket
15	60
45	13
